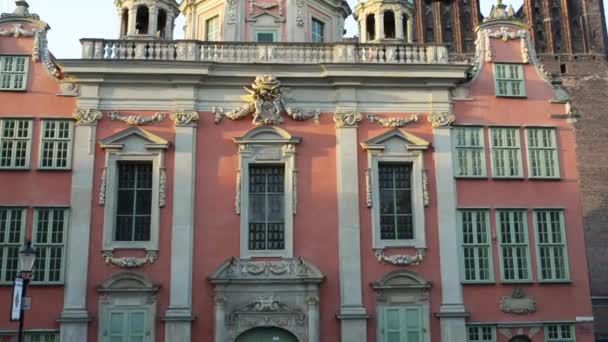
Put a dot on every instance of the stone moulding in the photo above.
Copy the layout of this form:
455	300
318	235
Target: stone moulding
518	303
400	259
266	103
184	118
391	122
102	187
441	119
87	116
137	120
130	262
239	269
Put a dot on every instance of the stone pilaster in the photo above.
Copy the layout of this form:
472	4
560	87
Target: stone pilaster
452	312
352	314
75	318
178	317
153	20
131	21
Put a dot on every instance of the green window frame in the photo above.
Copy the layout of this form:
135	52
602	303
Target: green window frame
470	157
212	29
481	333
317	31
127	326
551	247
12	233
403	324
514	247
50	235
41	337
13	73
15	143
476	248
265	36
560	333
506	152
56	144
509	80
542	153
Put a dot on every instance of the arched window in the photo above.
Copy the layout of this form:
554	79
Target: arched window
370	27
389	24
162	23
124	22
142	20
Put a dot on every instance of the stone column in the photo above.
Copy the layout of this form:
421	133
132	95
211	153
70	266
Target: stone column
398	25
132	21
452	312
379	25
152	20
314	333
362	31
410	30
352	312
169	27
220	316
75	318
178	317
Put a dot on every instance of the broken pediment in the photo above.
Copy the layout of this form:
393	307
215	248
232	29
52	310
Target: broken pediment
294	270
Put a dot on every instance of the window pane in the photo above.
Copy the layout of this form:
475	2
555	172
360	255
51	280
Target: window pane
265	37
266	207
134	201
395	201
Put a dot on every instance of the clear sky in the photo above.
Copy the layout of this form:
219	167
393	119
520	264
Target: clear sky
71	20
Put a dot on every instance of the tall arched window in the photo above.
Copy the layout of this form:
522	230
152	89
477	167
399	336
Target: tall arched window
161	23
142	20
389	24
370	27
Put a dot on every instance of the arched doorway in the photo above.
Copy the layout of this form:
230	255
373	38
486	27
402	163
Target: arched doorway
266	334
520	338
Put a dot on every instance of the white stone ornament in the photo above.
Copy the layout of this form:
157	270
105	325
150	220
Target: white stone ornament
87	116
441	119
265	102
16	32
518	303
130	262
392	122
400	259
184	118
137	120
347	119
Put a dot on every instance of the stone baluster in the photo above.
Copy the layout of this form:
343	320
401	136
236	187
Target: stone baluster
98	50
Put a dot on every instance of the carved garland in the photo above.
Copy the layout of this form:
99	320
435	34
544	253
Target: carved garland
130	262
162	188
441	119
137	120
17	32
231	13
237	198
184	118
300	13
368	187
400	259
246	269
392	122
102	187
347	119
425	189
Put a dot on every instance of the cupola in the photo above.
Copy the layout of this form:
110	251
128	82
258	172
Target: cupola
385	20
153	19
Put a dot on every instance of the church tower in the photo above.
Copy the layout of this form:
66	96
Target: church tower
153	19
385	20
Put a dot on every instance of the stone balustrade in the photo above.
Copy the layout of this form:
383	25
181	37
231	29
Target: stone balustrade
269	53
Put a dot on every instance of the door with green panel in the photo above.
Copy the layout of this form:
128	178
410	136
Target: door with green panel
403	324
266	334
126	326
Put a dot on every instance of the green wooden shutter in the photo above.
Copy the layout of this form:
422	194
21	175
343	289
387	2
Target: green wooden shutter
413	324
392	325
116	326
137	326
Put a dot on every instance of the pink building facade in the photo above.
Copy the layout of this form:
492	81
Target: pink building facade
352	192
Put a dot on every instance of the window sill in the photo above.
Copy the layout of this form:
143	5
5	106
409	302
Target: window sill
266	254
54	169
557	282
14	90
405	244
45	285
15	168
481	282
527	281
130	245
514	178
512	96
545	178
471	177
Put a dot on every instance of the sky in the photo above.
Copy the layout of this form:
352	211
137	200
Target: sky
71	20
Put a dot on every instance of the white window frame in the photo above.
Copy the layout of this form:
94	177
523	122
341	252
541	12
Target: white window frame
528	265
49	244
218	31
553	149
24	73
312	33
493	148
521	80
4	245
268	145
468	148
560	338
44	336
54	140
476	246
480	333
133	144
564	246
28	149
400	147
264	31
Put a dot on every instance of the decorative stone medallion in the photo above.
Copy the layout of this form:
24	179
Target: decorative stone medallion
441	119
87	116
518	303
400	259
130	262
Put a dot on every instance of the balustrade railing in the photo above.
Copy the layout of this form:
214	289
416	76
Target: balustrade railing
269	53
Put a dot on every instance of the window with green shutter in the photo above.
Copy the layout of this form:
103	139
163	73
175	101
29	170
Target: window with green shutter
56	144
50	229
551	245
509	80
476	247
469	156
542	153
403	324
506	152
560	333
15	141
13	72
12	232
481	333
514	249
126	326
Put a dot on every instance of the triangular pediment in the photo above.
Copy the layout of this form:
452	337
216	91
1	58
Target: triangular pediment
133	138
396	140
291	270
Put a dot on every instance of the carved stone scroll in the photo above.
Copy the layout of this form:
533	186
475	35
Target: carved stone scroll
347	119
400	259
441	119
137	120
184	118
130	262
87	116
392	122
